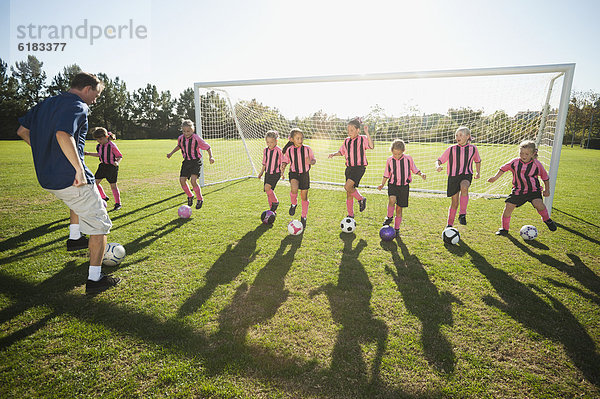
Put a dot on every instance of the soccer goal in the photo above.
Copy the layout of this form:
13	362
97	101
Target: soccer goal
501	106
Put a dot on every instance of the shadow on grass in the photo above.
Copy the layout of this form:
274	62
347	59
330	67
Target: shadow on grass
575	217
577	233
554	321
422	299
350	302
259	302
225	269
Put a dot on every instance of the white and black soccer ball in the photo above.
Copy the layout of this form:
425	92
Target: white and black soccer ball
295	227
528	232
113	254
451	236
348	224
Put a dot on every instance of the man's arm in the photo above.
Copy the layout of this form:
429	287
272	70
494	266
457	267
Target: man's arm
68	147
23	133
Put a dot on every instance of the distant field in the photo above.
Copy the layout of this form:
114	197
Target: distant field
221	306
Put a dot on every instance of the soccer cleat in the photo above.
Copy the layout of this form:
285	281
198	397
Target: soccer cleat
303	221
387	221
462	219
105	199
105	282
293	209
199	204
117	207
397	232
75	245
362	204
502	232
449	226
551	225
190	201
274	206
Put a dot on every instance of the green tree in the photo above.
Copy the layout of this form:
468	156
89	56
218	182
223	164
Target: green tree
62	81
185	105
112	109
31	79
12	105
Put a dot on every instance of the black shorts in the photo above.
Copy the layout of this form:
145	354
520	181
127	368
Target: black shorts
454	183
272	179
355	173
401	194
108	172
303	179
520	199
190	167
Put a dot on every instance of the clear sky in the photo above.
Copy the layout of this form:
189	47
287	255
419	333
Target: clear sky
183	41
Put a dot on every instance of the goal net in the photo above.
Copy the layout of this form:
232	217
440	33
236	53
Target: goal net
501	106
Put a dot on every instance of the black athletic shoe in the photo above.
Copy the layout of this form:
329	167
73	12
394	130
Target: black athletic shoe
190	201
274	206
551	225
502	232
117	207
76	245
387	221
199	204
105	282
397	232
105	199
293	209
462	219
303	221
362	204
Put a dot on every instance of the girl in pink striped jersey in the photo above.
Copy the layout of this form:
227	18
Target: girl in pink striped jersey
354	148
300	157
110	156
191	145
397	171
272	158
526	187
460	158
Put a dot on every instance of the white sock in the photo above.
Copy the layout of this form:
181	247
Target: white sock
74	233
94	273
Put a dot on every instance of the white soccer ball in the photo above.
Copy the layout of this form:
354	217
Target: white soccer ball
113	254
295	227
451	236
348	224
528	232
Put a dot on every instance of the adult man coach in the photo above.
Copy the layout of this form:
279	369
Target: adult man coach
56	129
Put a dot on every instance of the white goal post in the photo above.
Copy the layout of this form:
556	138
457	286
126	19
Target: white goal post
502	107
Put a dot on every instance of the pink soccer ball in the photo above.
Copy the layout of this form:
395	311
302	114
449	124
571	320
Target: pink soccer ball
184	211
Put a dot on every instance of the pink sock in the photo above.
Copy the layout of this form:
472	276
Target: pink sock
116	194
544	214
272	197
397	222
357	195
464	200
186	190
350	206
390	212
101	190
198	193
294	198
451	216
505	222
305	208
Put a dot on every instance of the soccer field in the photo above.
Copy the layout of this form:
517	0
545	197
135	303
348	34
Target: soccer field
222	306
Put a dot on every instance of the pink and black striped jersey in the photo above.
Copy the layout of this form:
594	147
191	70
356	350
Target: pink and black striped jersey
354	150
460	159
525	175
108	152
272	159
190	147
398	170
299	158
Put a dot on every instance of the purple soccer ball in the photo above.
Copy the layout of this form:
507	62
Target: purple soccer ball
184	211
267	217
387	233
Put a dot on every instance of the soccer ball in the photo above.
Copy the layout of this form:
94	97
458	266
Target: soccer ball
267	217
295	227
184	211
387	233
113	254
450	235
528	232
348	225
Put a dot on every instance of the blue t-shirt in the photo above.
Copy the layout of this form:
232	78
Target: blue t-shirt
66	112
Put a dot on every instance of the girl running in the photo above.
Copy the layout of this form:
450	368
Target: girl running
108	169
272	158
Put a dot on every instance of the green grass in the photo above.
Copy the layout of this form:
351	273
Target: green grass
220	306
